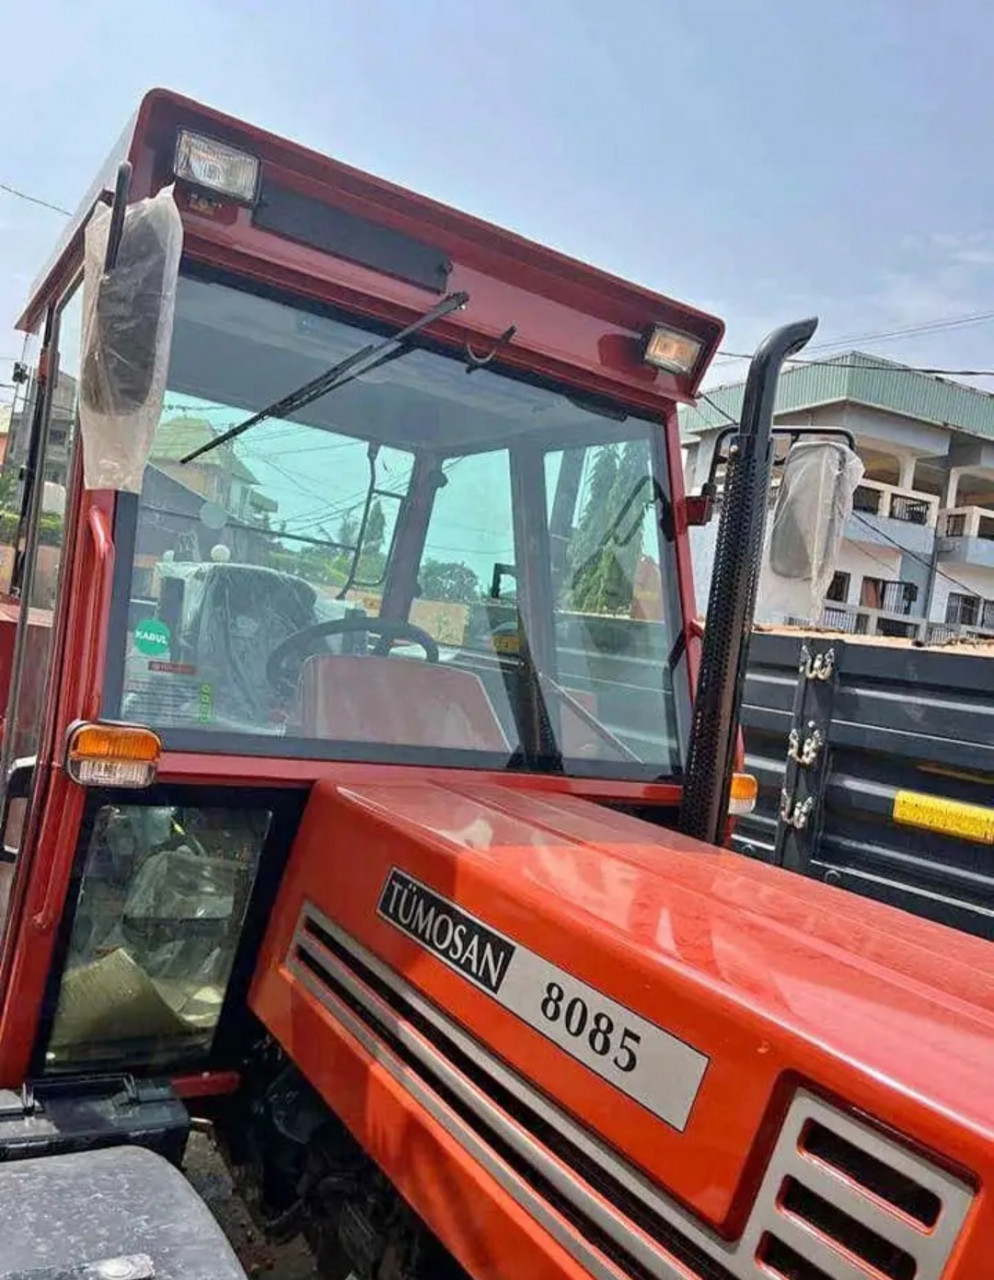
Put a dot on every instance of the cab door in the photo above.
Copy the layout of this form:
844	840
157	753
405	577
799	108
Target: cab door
34	501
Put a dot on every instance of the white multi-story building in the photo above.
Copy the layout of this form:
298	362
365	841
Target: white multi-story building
918	558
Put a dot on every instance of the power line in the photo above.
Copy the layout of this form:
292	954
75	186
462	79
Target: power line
941	573
45	204
908	331
883	365
890	335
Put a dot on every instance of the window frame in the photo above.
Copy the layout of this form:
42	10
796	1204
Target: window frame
961	598
25	565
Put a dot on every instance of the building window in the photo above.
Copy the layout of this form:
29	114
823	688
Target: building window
871	592
893	597
901	630
956	525
838	588
867	500
962	609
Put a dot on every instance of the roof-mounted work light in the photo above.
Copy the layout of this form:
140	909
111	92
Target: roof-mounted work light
672	350
214	166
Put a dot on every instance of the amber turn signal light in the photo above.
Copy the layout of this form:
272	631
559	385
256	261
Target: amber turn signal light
112	755
745	790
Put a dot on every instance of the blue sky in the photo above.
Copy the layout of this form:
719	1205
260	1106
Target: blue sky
761	158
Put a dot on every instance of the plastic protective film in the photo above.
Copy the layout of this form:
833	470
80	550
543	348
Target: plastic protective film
127	332
814	502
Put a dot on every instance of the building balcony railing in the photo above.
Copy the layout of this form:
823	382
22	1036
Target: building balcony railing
888	610
970	611
889	597
891	503
845	618
969	522
910	510
941	632
867	499
967	535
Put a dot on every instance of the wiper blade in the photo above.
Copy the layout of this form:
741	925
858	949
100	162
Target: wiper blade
363	361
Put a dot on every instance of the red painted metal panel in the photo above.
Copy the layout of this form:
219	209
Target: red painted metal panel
773	979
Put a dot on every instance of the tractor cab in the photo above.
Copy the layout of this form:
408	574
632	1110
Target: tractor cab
421	515
435	565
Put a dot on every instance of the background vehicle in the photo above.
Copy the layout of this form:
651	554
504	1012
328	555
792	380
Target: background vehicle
390	869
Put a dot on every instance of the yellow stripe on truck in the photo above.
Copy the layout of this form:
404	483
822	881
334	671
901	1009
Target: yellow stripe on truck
951	817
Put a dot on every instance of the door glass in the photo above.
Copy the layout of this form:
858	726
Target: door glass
15	455
157	921
611	638
54	477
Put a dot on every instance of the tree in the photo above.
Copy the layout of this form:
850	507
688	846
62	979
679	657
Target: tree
375	528
372	561
348	530
605	581
8	485
449	580
620	557
584	550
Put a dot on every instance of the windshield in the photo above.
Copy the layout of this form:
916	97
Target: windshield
427	564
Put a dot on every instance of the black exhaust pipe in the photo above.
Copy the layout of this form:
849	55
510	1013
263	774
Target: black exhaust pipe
732	600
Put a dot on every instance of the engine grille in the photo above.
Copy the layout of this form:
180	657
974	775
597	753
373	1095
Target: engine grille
841	1201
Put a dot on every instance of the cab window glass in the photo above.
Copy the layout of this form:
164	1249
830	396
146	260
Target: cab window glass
54	465
156	925
604	504
18	414
381	522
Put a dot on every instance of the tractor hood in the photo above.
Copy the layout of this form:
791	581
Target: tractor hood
669	998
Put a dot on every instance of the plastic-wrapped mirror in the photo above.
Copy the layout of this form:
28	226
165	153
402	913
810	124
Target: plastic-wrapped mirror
127	332
814	502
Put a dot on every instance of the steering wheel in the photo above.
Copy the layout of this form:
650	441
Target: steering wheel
297	644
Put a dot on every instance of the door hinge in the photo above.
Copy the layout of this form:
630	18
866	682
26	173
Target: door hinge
805	753
795	814
818	667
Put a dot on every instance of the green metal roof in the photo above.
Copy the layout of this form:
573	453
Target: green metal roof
868	380
176	437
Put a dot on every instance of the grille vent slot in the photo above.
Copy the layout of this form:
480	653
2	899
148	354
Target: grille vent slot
803	1204
781	1260
841	1200
882	1180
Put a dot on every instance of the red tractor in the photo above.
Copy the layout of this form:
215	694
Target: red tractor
366	776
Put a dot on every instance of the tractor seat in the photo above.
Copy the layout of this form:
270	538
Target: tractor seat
243	613
398	702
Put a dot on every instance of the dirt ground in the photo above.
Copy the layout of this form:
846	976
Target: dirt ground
967	646
261	1260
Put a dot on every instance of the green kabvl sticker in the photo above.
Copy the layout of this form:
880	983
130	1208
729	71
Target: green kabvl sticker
152	638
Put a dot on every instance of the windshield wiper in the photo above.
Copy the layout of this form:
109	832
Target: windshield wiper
364	361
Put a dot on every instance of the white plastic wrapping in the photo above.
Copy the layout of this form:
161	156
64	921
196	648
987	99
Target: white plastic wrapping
807	530
127	332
